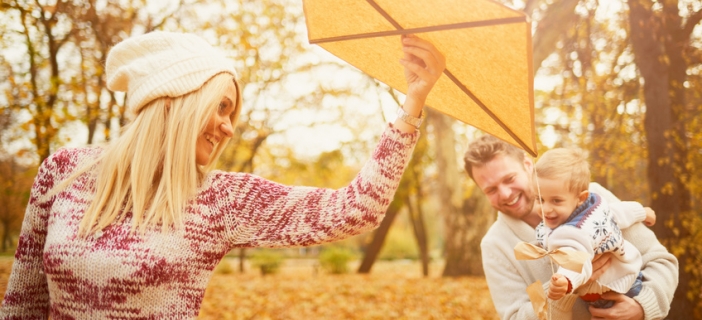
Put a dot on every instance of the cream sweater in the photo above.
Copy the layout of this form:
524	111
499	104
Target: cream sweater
508	278
119	275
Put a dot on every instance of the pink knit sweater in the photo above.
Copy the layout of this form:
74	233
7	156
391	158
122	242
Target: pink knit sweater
118	275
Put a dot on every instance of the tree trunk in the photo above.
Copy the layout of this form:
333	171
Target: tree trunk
6	241
449	191
420	233
242	259
676	42
373	249
663	69
409	184
472	223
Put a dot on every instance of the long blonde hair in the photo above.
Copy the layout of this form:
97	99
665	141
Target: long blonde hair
151	168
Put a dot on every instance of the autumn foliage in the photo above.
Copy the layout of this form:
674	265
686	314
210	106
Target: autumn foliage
621	79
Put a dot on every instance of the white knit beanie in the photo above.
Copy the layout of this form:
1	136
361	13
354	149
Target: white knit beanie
159	64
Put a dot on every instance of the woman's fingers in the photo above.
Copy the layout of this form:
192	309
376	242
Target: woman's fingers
430	60
411	40
417	69
420	56
424	64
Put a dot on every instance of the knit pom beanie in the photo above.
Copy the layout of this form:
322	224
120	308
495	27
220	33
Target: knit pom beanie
159	64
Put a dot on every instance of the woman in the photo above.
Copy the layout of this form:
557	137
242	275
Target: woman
135	229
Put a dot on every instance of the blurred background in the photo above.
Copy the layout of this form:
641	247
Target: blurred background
620	79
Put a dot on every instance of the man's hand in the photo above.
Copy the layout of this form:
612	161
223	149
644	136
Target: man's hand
558	287
600	264
624	308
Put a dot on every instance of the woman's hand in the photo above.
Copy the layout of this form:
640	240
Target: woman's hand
423	64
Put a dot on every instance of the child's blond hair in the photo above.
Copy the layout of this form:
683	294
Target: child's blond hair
569	164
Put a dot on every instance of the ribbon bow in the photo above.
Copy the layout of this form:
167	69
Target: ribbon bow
569	259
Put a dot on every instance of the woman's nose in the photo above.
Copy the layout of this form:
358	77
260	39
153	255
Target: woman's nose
227	128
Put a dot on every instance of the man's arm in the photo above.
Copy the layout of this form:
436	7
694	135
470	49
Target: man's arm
508	285
660	272
627	213
659	268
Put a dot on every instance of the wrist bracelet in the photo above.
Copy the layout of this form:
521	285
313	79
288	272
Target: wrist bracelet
410	119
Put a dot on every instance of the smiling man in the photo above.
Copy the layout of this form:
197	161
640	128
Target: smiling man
505	175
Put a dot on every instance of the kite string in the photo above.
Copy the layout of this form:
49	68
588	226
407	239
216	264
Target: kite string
543	219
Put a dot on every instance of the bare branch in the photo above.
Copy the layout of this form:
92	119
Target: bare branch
165	17
693	55
691	23
557	20
530	5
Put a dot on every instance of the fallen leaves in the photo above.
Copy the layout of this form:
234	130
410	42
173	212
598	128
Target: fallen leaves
394	290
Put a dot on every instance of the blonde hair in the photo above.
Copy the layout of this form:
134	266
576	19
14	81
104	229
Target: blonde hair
151	168
486	148
569	164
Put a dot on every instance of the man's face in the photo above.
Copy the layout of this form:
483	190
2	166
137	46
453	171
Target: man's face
507	182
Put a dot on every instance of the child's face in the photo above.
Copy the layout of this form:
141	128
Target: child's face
558	202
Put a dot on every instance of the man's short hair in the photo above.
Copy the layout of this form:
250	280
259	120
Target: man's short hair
487	147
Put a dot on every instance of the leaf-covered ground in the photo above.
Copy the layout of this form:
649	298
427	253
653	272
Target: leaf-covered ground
394	290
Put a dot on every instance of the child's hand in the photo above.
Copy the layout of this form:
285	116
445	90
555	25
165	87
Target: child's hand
650	216
558	287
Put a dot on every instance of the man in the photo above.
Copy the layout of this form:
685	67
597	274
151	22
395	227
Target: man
504	174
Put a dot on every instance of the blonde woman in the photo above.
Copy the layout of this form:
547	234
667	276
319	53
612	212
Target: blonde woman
134	230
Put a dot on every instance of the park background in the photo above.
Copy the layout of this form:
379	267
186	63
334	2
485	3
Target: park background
620	79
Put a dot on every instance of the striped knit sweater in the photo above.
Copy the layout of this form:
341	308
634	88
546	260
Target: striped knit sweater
118	275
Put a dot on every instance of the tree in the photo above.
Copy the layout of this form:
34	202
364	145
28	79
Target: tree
14	194
637	124
661	42
96	32
61	81
409	195
557	18
43	33
15	182
467	215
